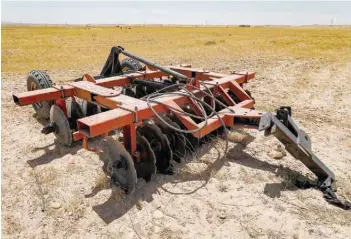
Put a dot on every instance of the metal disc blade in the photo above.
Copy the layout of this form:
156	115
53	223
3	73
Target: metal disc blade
160	145
146	165
74	112
118	164
63	132
176	139
191	142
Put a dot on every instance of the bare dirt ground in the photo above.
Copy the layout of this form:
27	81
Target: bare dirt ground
210	197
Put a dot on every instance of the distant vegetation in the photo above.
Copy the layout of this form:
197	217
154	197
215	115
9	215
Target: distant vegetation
85	47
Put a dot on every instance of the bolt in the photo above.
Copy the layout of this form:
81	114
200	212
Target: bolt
136	155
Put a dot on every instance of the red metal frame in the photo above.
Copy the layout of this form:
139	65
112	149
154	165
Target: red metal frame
127	112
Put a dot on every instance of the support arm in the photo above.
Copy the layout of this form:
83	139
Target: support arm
297	143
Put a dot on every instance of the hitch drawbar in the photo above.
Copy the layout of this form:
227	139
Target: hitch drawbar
298	144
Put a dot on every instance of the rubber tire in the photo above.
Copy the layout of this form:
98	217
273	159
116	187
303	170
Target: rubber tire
42	81
113	152
130	65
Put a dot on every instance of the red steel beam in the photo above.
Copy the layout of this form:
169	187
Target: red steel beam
238	91
115	120
127	110
245	104
138	109
226	97
55	93
126	79
104	122
129	137
49	94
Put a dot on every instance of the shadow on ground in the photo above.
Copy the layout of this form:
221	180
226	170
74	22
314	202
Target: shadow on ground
113	209
58	151
51	154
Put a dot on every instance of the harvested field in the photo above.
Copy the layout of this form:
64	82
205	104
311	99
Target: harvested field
210	197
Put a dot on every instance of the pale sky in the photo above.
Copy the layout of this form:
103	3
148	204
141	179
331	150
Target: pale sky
170	12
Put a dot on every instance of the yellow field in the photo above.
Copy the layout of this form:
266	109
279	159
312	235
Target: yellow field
62	48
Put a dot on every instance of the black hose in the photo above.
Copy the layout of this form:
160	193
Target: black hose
158	94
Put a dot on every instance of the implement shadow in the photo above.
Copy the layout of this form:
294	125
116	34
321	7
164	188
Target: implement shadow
113	209
56	152
291	180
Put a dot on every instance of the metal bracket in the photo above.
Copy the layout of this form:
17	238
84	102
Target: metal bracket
61	89
297	143
50	128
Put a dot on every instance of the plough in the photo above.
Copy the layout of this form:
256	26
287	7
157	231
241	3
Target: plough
164	112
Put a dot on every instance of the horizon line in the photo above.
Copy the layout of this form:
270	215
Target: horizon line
6	23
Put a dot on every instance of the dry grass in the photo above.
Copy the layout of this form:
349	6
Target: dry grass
11	225
46	176
209	43
239	136
61	48
167	233
222	187
102	181
75	206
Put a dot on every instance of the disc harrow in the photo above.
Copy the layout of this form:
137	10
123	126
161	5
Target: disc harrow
164	113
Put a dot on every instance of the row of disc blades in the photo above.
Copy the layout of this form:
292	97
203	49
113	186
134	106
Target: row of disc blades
158	145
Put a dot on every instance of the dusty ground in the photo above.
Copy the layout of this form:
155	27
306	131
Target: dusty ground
211	197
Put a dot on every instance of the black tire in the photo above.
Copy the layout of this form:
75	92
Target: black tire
36	80
130	65
118	165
